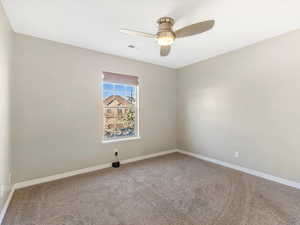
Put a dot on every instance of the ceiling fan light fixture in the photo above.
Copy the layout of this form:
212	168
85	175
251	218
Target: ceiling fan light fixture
165	40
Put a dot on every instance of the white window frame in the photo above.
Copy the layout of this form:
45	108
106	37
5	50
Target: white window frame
137	118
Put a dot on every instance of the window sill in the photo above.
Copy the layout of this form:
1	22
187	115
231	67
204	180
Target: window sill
120	140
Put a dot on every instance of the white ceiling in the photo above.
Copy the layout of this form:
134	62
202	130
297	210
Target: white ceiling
95	24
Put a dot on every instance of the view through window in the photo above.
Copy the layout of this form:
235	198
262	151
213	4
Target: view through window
120	109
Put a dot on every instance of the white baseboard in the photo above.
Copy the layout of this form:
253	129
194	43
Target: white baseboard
41	180
72	173
245	170
148	156
85	170
6	204
103	166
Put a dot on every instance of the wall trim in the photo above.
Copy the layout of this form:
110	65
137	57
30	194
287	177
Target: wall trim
41	180
135	159
243	169
6	204
148	156
107	165
70	174
85	170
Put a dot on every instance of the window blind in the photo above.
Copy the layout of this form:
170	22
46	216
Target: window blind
120	78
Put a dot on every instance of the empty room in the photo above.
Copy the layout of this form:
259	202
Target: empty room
174	112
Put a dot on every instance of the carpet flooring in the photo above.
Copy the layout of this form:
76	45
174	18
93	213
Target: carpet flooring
169	190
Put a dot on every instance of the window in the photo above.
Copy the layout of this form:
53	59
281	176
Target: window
120	106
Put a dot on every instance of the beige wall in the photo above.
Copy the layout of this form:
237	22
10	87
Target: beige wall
56	119
246	101
5	70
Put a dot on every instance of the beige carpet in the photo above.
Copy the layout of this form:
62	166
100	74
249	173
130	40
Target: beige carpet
168	190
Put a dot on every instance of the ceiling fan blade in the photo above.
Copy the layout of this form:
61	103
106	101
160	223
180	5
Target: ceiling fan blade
165	50
193	29
137	33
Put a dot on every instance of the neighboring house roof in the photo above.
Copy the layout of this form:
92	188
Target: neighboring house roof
118	98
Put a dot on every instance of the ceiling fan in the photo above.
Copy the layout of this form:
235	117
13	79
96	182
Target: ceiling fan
166	36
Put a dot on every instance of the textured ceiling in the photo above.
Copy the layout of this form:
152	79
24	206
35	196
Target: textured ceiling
95	24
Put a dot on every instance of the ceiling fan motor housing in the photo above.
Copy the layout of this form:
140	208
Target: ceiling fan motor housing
165	29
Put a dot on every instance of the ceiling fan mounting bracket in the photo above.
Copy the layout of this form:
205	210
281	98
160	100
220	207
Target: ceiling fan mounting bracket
166	20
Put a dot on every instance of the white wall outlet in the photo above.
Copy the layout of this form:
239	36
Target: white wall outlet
236	154
116	150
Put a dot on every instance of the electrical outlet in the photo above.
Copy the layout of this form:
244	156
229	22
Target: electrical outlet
236	154
116	150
